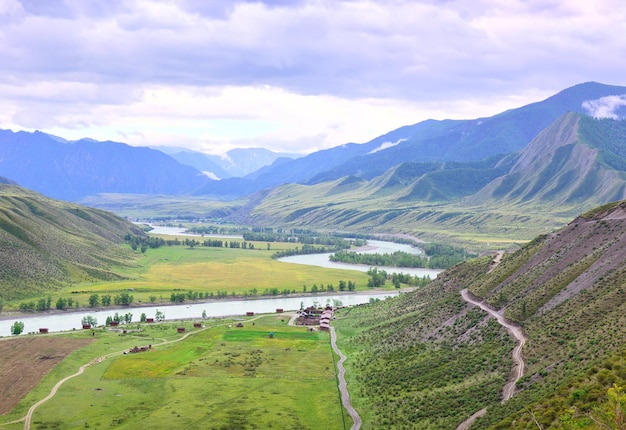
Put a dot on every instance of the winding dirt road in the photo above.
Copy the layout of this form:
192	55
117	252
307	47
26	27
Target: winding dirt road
516	331
518	360
343	388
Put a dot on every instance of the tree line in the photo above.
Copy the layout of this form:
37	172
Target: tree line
378	278
144	242
438	256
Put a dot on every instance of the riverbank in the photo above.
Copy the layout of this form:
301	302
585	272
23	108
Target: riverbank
12	315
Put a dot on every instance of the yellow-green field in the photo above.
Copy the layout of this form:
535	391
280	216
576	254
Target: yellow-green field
177	269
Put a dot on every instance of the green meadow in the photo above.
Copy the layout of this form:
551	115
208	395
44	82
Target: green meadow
219	377
154	275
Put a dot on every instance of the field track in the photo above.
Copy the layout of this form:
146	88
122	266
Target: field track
341	373
9	347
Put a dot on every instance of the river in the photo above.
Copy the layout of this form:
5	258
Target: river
217	308
373	246
72	320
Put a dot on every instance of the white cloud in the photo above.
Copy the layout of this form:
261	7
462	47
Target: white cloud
387	145
605	107
293	76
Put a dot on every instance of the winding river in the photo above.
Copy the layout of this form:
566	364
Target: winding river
57	321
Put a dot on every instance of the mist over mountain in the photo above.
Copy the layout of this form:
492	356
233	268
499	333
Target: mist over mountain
237	162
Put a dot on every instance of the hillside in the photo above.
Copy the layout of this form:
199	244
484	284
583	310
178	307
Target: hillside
428	359
577	162
46	244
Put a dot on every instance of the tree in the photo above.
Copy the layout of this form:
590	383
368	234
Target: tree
142	318
342	285
612	413
61	304
93	300
159	316
89	320
17	328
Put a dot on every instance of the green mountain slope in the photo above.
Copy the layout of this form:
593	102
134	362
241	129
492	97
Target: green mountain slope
578	162
428	359
46	244
573	165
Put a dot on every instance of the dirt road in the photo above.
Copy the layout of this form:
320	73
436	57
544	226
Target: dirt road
518	360
343	388
516	331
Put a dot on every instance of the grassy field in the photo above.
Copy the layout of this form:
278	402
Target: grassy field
174	269
223	377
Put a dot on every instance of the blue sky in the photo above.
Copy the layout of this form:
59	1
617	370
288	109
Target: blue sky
291	76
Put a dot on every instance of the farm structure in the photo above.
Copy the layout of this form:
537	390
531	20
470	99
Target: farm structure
137	349
315	317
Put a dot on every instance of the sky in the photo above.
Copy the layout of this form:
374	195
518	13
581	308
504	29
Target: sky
290	76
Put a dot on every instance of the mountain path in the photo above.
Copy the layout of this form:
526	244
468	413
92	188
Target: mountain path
343	388
519	365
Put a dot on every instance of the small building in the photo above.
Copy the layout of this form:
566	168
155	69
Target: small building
114	323
149	320
181	329
86	326
279	311
43	330
137	349
197	325
249	314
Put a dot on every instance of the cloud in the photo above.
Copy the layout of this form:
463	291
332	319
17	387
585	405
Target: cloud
386	145
605	107
298	75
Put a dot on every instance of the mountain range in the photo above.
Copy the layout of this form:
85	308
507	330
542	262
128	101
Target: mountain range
547	161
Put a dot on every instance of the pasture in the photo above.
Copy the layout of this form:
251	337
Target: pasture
219	377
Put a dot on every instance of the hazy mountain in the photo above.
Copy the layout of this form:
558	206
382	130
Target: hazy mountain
244	161
436	360
46	244
70	170
237	162
203	162
427	141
